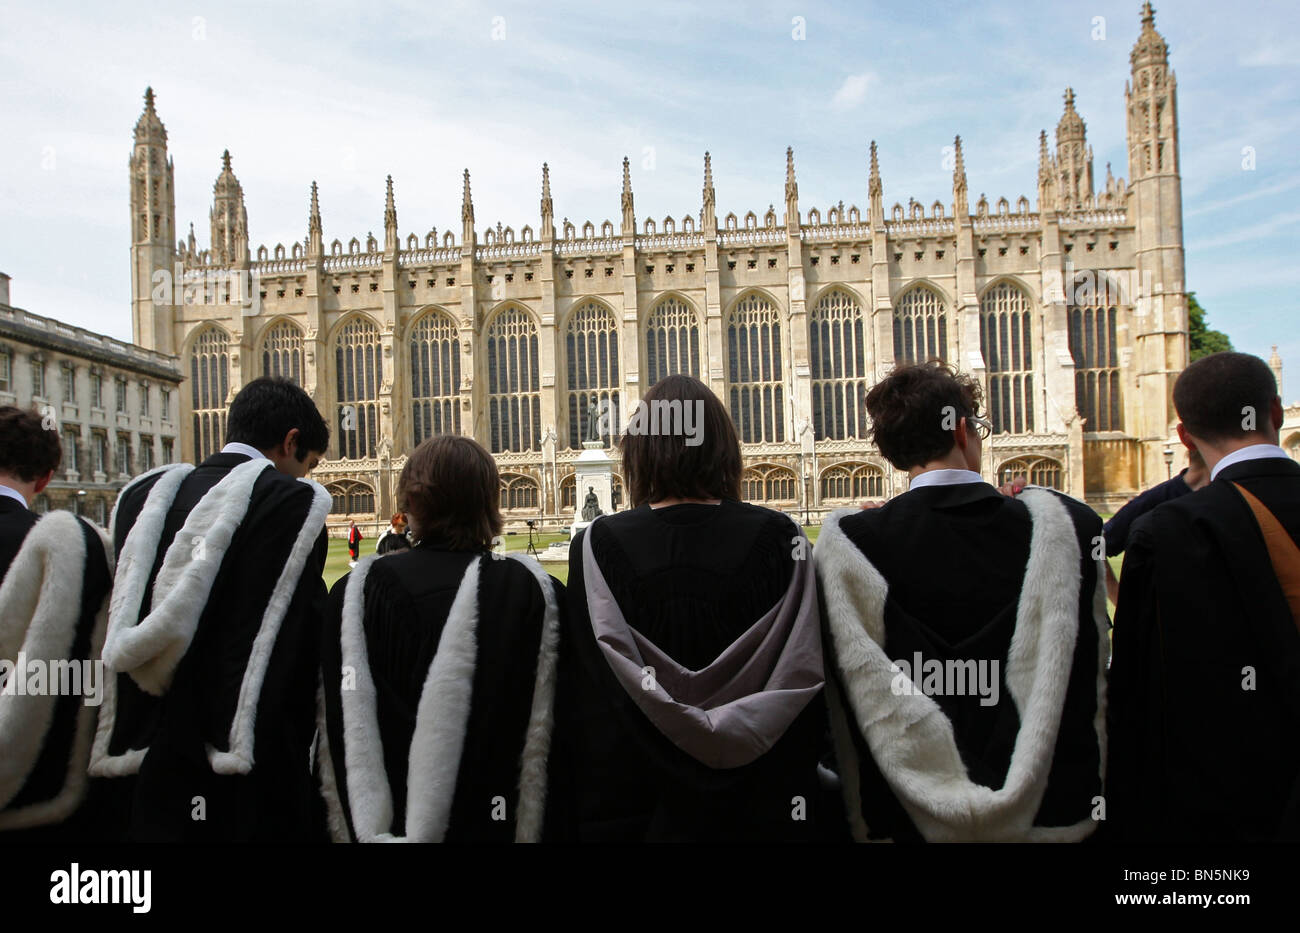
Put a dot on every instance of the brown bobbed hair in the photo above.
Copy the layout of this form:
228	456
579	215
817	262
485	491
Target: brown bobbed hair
907	410
450	486
662	465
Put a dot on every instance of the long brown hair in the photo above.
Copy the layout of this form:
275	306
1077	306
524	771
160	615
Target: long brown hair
659	459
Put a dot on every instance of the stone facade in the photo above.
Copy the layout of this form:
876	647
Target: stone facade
116	406
1071	312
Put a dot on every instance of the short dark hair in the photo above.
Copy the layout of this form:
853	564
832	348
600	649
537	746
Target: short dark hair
27	449
268	408
909	408
451	486
658	463
1211	394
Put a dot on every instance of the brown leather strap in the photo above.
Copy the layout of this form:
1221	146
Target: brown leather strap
1282	551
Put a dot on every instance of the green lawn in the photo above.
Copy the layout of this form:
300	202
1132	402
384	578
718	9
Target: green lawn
336	562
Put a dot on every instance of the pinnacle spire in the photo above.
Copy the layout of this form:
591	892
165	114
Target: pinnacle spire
148	100
629	214
225	161
548	209
875	187
791	186
708	217
467	202
315	239
390	217
960	205
876	191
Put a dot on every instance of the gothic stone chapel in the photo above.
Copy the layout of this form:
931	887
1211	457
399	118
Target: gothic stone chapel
1070	311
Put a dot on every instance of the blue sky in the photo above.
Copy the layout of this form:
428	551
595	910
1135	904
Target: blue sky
346	93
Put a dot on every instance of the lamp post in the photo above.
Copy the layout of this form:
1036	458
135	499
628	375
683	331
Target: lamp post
1169	462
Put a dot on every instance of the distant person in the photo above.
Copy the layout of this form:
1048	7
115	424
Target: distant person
354	543
215	634
1116	531
395	537
1205	681
56	575
967	637
691	705
438	669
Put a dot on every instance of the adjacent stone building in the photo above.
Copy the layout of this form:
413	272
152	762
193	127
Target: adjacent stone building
116	406
1071	310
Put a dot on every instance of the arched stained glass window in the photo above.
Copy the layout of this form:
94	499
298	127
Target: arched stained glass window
1005	342
435	377
672	341
920	326
209	386
853	481
837	350
1094	346
591	361
358	363
513	397
282	351
755	375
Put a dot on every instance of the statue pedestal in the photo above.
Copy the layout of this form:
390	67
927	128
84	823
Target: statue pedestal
593	474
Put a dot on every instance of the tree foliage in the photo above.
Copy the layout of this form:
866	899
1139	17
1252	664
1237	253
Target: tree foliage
1202	340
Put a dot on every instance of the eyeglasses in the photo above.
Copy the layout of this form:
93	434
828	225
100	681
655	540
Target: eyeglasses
983	427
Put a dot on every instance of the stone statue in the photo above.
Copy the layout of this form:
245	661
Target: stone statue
591	506
592	428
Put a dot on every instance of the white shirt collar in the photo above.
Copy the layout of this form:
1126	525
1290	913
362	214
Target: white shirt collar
1253	452
944	478
235	447
12	494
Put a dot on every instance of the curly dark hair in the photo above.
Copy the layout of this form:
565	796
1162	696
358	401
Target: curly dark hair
27	450
912	411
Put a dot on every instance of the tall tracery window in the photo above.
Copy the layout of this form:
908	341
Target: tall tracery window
358	363
853	481
350	497
1040	471
1095	350
591	357
756	386
672	341
1005	331
837	351
435	377
767	483
519	492
514	399
282	351
209	386
920	326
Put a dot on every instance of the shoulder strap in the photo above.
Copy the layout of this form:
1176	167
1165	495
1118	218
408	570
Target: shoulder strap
1282	551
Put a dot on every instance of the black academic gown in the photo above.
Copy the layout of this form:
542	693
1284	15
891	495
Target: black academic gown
1205	681
691	578
407	598
276	801
49	774
15	521
954	558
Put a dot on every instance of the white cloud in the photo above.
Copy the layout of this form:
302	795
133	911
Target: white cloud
852	92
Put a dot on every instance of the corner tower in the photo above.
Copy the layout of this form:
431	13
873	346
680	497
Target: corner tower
1155	208
153	231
